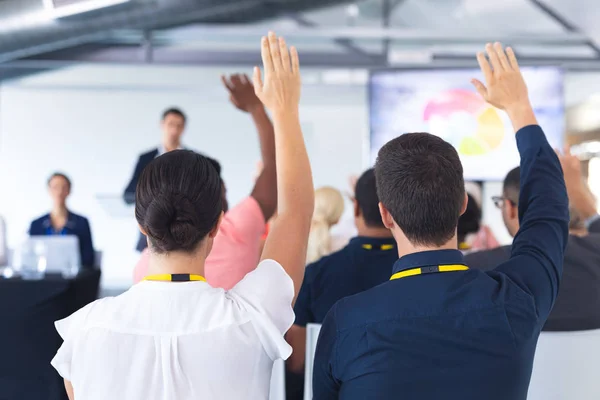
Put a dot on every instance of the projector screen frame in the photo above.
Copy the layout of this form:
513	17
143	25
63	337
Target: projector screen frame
367	163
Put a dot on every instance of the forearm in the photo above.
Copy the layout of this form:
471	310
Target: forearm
521	116
583	201
266	137
265	188
294	175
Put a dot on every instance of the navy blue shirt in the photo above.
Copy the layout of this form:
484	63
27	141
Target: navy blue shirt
455	335
76	225
362	264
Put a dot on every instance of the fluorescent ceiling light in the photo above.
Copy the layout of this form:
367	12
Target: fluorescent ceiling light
58	11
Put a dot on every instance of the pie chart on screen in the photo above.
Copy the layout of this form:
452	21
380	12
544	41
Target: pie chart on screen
464	119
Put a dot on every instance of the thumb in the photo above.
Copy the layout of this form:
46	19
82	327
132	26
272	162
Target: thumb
480	87
258	83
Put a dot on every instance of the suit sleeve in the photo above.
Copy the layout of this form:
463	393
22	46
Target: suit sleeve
325	385
35	229
536	262
129	194
86	246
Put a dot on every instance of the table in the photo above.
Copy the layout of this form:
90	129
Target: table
28	338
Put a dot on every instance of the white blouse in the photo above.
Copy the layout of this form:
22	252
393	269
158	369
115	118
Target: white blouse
180	340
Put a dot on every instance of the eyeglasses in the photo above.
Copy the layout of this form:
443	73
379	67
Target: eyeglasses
499	201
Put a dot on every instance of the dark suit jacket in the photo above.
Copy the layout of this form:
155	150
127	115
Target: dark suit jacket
577	306
76	225
129	194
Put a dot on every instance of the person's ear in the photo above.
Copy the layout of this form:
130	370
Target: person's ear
215	230
513	209
356	208
386	217
142	230
465	204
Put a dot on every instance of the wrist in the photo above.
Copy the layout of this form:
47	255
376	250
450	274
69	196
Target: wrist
521	115
256	108
285	113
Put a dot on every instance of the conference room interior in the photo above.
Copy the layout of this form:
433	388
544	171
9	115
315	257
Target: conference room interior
83	87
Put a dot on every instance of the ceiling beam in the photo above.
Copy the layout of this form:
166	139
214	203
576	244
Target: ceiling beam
559	19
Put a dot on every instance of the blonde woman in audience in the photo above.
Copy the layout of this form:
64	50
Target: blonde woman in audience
329	207
174	336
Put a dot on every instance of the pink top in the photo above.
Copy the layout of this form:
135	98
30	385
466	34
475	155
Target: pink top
235	250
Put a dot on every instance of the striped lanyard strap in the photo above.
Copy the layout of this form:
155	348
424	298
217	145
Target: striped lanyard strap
175	278
434	269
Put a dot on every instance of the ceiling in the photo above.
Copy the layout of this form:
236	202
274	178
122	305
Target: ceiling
368	33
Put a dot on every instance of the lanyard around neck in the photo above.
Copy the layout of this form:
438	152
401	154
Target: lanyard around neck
429	270
175	278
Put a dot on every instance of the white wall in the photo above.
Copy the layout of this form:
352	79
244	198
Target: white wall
93	122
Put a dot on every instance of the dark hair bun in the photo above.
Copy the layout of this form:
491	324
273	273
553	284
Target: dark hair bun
178	200
172	223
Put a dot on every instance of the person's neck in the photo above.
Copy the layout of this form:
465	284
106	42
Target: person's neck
374	232
171	146
405	247
59	211
177	263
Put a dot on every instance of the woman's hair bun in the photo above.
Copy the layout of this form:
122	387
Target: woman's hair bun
178	200
172	223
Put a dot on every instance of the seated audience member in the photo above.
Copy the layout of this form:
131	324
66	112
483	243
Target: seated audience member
174	336
172	126
62	221
577	306
237	246
364	263
437	329
483	239
3	247
329	207
469	224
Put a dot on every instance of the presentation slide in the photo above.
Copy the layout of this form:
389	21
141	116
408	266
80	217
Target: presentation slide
443	102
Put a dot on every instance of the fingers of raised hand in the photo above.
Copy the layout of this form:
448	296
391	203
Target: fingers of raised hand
265	53
295	60
494	59
275	53
285	55
485	67
512	58
502	56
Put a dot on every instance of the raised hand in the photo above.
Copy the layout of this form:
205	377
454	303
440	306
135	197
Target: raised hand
571	167
281	88
504	86
579	194
241	92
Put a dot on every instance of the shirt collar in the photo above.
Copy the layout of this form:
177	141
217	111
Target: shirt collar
47	222
162	150
361	241
428	258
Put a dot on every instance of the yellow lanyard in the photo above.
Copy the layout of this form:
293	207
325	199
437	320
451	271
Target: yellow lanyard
429	270
175	277
381	247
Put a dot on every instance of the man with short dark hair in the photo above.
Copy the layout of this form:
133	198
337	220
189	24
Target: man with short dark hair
577	306
364	263
437	330
172	126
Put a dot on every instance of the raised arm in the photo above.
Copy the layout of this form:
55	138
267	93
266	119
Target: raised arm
241	94
280	92
536	261
580	197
